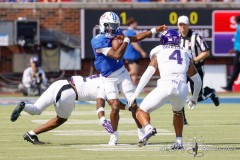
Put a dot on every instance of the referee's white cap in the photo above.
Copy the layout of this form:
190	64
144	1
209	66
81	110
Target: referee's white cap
183	19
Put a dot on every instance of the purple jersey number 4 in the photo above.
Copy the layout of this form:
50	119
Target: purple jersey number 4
176	55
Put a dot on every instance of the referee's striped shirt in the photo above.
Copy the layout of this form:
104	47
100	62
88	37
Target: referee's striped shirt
194	42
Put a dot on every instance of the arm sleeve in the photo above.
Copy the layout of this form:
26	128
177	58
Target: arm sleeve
201	43
144	79
103	50
197	86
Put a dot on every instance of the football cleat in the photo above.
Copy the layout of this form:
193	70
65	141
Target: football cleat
32	138
177	146
108	126
143	141
113	140
16	112
215	98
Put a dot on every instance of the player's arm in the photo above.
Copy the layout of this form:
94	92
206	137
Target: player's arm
203	48
145	78
115	54
146	34
195	77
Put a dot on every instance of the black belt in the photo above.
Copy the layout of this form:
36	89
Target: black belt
66	87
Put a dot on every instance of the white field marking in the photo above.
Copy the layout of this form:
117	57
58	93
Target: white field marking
132	148
31	157
31	148
162	132
119	147
124	147
74	113
84	121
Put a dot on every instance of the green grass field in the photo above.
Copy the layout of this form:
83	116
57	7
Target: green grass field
82	138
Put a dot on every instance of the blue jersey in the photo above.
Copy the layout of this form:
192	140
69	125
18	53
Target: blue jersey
131	53
103	64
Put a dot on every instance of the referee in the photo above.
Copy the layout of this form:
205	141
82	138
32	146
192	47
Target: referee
200	51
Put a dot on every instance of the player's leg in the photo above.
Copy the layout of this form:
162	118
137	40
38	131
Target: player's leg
101	115
177	102
45	100
154	100
127	88
111	90
207	92
64	107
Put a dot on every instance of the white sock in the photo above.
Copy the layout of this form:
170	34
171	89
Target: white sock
31	109
115	133
102	119
147	127
141	130
179	140
31	133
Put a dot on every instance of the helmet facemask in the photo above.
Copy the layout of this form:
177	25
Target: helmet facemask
111	29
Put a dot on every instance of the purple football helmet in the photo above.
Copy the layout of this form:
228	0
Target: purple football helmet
170	37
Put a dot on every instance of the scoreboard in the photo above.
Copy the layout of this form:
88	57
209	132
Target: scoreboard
224	28
207	22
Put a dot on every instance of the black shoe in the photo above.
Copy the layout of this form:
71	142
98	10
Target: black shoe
227	89
215	98
176	146
185	122
16	112
32	138
151	132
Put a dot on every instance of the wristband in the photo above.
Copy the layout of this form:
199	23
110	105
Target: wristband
100	109
153	30
126	39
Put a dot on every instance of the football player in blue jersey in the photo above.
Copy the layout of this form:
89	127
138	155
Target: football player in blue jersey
110	64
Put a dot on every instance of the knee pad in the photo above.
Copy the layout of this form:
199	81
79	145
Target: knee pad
177	112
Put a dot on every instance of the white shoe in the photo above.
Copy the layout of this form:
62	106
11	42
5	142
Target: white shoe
113	139
148	134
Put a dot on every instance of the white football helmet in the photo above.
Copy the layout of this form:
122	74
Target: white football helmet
109	23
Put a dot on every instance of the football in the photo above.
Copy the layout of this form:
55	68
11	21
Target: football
116	43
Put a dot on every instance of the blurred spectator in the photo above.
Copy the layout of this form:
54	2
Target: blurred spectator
133	51
34	81
236	69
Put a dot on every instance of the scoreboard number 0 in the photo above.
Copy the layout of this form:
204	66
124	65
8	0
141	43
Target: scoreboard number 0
193	18
173	18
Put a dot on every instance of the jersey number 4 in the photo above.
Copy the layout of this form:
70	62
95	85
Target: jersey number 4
176	55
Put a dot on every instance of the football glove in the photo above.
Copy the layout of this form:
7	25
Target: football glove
191	104
131	100
108	126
